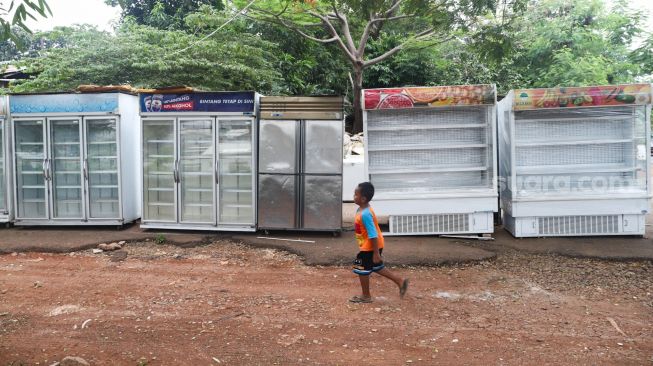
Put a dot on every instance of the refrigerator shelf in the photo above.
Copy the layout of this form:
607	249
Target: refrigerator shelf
428	169
572	142
575	119
573	169
158	189
160	204
160	156
105	201
33	200
199	189
31	143
198	204
160	173
32	187
35	172
425	147
237	190
67	158
102	172
67	187
197	174
160	141
74	143
101	142
431	127
103	157
235	174
234	205
103	186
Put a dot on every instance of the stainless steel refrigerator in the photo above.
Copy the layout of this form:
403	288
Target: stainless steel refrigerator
300	163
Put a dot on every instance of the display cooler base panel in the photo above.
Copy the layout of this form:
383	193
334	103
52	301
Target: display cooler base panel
98	222
577	225
164	226
435	224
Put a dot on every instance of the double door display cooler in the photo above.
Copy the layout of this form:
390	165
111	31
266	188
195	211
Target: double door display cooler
198	161
72	155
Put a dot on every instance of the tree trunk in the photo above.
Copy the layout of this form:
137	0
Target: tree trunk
358	99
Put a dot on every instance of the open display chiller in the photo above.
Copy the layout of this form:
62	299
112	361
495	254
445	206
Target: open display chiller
199	161
73	158
431	153
575	161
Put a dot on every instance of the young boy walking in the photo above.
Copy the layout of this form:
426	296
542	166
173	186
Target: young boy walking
370	241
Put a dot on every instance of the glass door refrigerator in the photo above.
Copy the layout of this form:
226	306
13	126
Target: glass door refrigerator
199	161
72	158
6	212
300	163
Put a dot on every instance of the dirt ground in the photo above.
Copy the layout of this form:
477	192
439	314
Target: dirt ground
227	304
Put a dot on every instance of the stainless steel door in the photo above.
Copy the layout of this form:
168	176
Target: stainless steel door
3	170
277	204
235	171
322	202
31	169
323	147
66	168
195	172
101	167
278	140
159	174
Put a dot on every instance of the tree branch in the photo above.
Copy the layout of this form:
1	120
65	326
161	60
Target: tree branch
345	29
335	34
394	7
398	48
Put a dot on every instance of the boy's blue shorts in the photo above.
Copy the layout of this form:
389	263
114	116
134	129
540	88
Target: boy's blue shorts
364	264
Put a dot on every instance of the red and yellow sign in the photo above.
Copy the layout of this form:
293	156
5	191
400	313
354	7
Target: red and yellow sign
437	96
592	96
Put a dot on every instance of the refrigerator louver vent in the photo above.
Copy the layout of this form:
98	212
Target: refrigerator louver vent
578	225
429	224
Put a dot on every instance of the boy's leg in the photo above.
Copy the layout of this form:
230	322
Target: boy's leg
387	274
365	286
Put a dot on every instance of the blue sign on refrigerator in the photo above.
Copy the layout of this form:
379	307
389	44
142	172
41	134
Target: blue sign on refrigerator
64	103
235	102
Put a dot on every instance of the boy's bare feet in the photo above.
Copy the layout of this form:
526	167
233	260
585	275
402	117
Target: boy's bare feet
403	288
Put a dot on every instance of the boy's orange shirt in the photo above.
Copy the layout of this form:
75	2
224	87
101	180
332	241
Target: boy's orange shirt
366	227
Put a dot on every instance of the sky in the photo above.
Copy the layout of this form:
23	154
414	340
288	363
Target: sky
95	12
68	12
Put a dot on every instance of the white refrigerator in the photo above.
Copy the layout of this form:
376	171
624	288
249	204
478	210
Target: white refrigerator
73	159
199	161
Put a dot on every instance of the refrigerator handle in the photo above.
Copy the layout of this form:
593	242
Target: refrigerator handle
217	172
86	169
176	171
48	169
43	166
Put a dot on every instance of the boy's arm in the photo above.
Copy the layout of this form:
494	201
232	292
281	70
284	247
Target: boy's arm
376	257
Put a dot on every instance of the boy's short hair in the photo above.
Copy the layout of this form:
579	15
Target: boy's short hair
367	190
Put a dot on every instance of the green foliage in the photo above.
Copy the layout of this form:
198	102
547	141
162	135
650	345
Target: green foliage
16	13
162	14
160	239
574	43
148	57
